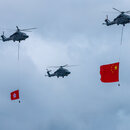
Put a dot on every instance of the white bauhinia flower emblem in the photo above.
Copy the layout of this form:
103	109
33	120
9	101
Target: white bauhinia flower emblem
14	95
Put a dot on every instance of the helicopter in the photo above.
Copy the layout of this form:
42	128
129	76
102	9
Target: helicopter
122	19
19	35
60	72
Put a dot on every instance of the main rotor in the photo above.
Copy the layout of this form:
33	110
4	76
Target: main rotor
122	12
62	66
24	30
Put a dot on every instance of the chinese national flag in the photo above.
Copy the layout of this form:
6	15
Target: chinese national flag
110	73
14	95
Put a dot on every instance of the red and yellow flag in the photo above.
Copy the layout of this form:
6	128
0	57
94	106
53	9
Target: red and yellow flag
110	73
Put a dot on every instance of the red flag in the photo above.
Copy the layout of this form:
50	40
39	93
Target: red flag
110	73
14	95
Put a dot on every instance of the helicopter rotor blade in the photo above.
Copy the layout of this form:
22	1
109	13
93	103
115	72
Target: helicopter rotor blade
117	10
27	29
53	66
127	12
18	29
62	66
71	65
57	66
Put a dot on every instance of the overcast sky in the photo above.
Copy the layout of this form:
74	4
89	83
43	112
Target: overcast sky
68	32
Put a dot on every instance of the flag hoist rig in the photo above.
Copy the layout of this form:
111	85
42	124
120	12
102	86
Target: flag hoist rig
110	72
122	19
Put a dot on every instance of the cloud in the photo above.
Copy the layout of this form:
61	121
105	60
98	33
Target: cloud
69	32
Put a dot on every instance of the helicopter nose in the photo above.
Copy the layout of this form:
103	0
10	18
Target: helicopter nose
69	72
27	36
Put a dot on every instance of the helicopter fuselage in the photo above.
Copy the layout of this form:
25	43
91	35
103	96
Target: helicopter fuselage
122	19
61	72
18	36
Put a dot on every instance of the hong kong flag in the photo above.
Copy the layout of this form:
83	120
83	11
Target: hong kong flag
110	73
14	95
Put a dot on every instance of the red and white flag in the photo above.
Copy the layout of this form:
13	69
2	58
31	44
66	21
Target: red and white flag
14	95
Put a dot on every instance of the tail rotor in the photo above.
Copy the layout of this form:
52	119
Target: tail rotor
3	37
48	73
106	17
107	21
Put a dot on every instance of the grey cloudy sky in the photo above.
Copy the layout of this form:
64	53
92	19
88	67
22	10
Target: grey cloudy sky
69	32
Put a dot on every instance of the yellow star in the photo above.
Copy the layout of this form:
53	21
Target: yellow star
115	67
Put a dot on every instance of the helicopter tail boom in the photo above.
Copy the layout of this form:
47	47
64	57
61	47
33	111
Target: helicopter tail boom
48	73
108	22
4	38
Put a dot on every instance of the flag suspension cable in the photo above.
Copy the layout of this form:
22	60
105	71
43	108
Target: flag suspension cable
122	35
18	67
18	50
121	42
15	94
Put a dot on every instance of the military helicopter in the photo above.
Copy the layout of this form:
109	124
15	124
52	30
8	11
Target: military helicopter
19	35
60	72
122	19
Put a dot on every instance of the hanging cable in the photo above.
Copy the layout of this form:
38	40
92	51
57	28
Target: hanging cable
121	42
18	68
18	50
122	35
